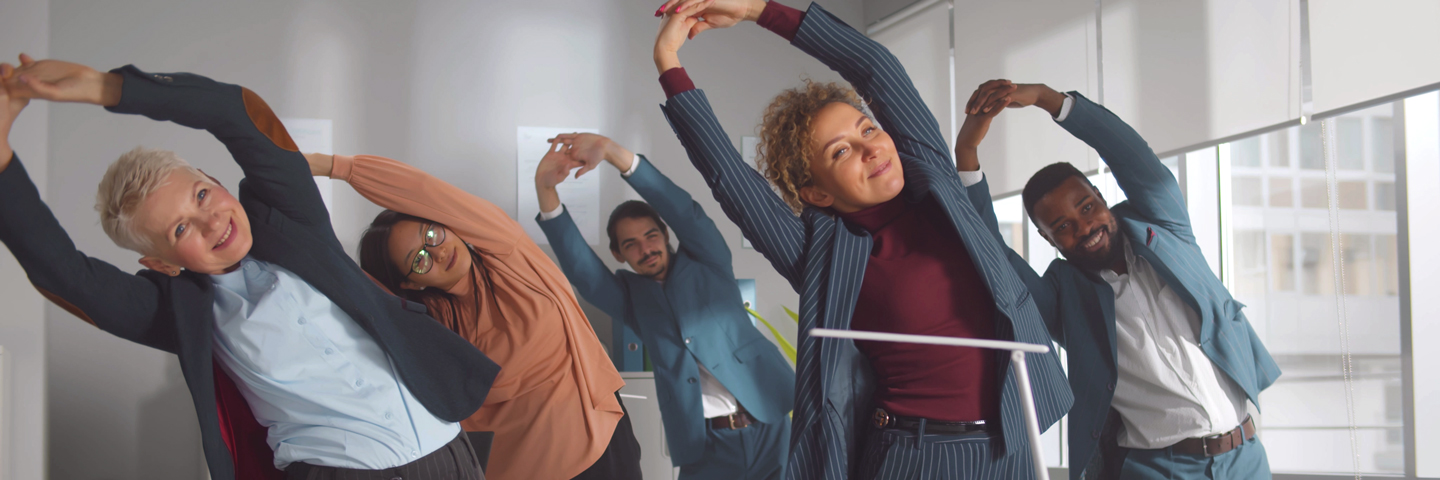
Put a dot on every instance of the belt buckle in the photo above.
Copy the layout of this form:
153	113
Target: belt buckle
731	417
1205	447
881	417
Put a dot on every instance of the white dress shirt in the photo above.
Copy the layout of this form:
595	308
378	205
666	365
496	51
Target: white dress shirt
715	399
324	389
1167	389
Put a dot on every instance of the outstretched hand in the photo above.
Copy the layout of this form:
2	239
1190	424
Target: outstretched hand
714	13
589	149
989	100
60	81
10	107
554	166
674	30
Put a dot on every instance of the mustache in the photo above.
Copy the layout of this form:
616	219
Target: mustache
650	255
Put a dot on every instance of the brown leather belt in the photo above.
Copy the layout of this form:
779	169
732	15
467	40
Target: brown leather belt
735	421
1217	444
884	419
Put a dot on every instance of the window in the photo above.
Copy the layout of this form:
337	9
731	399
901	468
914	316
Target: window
1294	270
1246	190
1245	153
1350	143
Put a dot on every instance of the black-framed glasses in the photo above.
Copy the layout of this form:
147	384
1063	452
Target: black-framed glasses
431	236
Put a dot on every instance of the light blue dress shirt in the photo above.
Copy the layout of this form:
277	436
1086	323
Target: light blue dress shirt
318	382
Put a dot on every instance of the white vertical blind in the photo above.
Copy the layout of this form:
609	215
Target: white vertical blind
1370	49
1183	73
1422	175
922	43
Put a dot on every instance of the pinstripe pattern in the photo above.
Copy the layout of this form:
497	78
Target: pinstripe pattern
456	460
1070	299
824	259
894	455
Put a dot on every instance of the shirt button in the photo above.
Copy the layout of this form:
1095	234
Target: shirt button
414	454
360	382
329	351
387	415
300	321
691	380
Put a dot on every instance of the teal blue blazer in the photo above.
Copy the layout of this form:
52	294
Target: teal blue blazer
1079	307
696	315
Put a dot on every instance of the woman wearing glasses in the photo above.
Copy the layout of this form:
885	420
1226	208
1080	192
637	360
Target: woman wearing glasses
554	408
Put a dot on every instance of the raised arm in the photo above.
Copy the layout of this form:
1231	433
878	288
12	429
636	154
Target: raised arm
591	278
744	195
699	237
1149	185
120	303
240	119
406	189
989	100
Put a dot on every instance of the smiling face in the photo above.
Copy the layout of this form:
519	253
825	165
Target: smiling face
449	263
1074	218
193	223
643	246
853	162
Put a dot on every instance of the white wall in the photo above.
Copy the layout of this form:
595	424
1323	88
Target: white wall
24	26
440	84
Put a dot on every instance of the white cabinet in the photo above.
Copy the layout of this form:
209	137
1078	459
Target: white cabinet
639	397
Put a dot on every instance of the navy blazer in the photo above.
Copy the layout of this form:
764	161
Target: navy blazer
696	315
824	258
291	228
1079	306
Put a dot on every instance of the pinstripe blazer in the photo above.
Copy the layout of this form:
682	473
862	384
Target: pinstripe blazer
824	258
1079	307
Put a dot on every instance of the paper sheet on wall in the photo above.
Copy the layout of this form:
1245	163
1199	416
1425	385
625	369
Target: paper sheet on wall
315	135
581	196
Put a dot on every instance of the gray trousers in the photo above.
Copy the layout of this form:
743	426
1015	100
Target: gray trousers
455	460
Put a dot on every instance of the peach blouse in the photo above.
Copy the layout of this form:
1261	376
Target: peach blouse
553	407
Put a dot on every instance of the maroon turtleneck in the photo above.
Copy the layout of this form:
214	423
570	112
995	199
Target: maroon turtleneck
920	280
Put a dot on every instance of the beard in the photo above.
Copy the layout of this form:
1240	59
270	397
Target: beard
659	267
1099	260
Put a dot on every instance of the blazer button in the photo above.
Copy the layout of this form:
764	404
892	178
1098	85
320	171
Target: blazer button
1095	435
692	380
1111	386
687	340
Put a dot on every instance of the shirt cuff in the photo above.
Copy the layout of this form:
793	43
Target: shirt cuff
675	81
782	20
634	163
971	178
1065	108
341	167
550	215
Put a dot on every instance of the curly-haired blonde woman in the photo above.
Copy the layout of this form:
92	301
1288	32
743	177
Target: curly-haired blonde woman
889	237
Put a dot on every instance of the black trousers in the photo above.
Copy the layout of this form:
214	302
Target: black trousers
455	460
621	460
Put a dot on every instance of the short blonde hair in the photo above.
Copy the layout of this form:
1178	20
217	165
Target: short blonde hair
131	178
785	146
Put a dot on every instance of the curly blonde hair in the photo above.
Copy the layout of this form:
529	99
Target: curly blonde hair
785	147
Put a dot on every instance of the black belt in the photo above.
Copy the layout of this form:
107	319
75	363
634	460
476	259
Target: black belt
883	419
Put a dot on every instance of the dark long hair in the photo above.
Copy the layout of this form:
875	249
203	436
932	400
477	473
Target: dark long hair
375	260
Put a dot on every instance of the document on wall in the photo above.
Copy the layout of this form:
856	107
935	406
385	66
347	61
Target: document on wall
581	196
314	135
